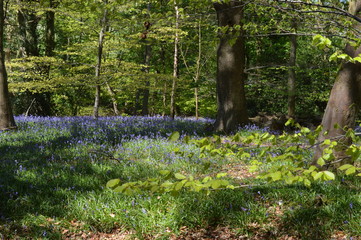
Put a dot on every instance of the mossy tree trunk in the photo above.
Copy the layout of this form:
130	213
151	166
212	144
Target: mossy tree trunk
343	104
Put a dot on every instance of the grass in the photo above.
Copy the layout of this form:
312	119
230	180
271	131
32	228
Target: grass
54	170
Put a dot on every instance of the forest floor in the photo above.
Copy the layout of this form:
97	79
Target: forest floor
54	172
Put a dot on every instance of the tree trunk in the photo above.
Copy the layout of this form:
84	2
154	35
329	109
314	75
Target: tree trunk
292	73
198	70
28	36
343	103
28	23
147	55
164	92
175	63
113	97
231	99
50	30
6	115
104	24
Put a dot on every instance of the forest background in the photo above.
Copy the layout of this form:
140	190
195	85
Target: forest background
159	57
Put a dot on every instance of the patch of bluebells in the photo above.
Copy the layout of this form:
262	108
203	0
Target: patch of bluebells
44	135
77	130
253	128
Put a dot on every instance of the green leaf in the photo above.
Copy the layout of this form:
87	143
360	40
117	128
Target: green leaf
206	179
333	57
327	175
216	184
220	175
179	176
236	138
276	176
307	182
318	175
154	188
178	186
174	137
357	59
119	189
321	161
197	187
224	182
167	184
290	122
351	170
164	172
321	42
113	183
345	166
343	56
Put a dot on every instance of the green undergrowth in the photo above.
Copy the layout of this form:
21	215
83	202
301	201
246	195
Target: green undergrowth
53	186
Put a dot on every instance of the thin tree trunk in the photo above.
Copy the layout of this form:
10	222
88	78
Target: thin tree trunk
6	115
231	99
292	73
175	62
147	56
104	24
198	70
343	104
113	97
164	98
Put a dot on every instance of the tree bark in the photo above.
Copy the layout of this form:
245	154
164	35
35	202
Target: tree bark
147	56
175	63
104	24
343	104
114	99
28	22
198	70
292	73
164	92
231	98
6	115
50	30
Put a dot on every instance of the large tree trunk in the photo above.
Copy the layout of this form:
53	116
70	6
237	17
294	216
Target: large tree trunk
343	103
6	115
231	99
